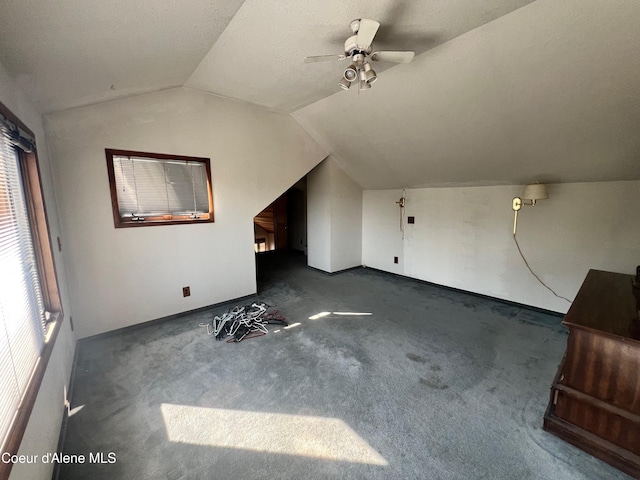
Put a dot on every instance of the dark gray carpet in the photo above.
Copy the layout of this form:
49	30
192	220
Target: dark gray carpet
432	384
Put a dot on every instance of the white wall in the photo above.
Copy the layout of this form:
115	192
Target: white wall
319	217
43	429
346	220
297	216
120	277
462	238
382	239
334	213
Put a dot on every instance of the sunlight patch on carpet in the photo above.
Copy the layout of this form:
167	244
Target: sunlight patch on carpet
339	314
307	436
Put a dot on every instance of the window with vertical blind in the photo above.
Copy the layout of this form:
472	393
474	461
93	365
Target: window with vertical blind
158	189
30	310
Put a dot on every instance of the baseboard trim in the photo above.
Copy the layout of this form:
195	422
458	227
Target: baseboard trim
255	295
337	272
474	294
137	326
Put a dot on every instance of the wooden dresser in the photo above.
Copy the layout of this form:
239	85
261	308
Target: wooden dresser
595	396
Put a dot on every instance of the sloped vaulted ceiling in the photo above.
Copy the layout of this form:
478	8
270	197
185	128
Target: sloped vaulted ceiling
501	91
549	92
68	53
259	56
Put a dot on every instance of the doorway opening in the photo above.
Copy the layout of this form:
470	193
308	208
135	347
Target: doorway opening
282	225
280	232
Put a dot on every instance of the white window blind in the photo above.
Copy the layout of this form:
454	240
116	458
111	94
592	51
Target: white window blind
153	187
22	325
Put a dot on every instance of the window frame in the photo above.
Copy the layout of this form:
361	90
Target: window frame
48	277
125	222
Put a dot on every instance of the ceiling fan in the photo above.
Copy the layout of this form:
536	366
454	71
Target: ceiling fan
358	48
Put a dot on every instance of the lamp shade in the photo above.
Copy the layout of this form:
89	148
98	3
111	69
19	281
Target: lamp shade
364	85
535	191
370	75
350	73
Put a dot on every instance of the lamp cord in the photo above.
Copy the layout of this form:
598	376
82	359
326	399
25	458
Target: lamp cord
533	273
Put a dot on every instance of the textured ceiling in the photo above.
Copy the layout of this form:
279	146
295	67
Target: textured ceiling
259	57
76	52
501	91
549	92
67	53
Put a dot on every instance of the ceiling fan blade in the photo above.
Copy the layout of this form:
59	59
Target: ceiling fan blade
323	58
393	56
366	31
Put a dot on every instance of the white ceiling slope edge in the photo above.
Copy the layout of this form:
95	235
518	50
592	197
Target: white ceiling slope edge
549	92
259	57
78	52
542	90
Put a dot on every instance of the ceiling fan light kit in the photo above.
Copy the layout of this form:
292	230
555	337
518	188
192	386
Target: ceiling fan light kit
368	74
358	48
364	85
350	73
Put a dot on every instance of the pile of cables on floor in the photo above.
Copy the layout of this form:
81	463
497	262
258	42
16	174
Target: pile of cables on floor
244	322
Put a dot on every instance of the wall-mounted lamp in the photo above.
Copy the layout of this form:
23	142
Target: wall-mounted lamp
532	193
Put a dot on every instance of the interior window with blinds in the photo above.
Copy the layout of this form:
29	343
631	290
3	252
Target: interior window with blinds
159	189
22	316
